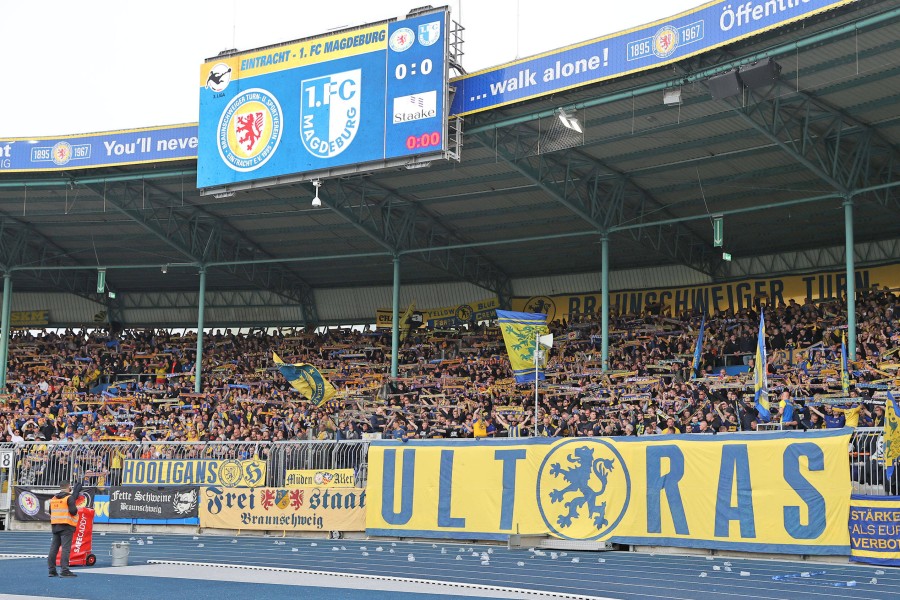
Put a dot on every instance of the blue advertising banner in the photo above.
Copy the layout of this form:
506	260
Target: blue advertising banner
353	97
875	530
659	43
111	148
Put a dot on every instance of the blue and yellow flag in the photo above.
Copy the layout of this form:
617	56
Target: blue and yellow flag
845	374
520	331
891	433
698	349
760	382
307	380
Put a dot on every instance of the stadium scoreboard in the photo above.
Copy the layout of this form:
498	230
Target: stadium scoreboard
345	102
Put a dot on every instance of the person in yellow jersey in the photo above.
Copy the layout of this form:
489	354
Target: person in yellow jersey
479	427
63	520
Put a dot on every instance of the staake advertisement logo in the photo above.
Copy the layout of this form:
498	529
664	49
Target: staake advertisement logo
415	107
402	39
219	77
250	130
329	112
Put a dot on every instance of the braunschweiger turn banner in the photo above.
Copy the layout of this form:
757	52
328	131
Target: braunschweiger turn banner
283	509
232	473
779	492
729	295
875	530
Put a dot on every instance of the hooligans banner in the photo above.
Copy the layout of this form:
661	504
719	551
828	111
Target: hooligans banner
875	530
233	473
283	509
153	502
763	492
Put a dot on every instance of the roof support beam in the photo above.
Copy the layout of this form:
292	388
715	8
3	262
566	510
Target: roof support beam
202	237
600	195
405	227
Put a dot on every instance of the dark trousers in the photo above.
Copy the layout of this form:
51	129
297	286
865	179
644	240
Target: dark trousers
62	538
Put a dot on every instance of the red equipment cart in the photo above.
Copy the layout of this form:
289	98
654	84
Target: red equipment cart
82	541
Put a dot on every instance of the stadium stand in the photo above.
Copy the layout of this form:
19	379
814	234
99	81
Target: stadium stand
73	387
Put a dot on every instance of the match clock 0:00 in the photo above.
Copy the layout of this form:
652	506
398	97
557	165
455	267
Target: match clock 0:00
426	140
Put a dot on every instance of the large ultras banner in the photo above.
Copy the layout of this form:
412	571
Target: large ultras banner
764	492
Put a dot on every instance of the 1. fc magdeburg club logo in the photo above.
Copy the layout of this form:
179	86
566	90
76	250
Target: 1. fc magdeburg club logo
249	130
329	112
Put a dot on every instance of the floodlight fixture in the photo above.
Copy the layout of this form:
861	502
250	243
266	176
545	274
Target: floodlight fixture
672	97
569	120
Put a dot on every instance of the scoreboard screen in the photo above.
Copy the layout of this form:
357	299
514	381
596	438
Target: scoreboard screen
344	102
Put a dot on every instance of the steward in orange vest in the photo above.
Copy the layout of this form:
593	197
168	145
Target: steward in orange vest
63	519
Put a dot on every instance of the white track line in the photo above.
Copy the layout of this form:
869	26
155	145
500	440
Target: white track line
445	586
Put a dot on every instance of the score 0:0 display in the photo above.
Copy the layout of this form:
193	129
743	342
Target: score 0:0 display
425	140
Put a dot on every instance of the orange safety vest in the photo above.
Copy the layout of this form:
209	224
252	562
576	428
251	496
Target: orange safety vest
59	512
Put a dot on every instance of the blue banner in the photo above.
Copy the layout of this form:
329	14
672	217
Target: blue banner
111	148
875	529
353	97
659	43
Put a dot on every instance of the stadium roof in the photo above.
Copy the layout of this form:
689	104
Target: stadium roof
647	173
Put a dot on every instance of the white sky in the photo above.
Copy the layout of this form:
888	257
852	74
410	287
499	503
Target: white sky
97	65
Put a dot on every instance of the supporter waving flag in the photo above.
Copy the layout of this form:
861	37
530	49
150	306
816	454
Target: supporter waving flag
891	433
520	331
760	382
698	350
307	380
845	375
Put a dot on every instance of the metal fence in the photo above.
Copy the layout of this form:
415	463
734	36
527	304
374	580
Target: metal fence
319	455
41	464
867	471
100	464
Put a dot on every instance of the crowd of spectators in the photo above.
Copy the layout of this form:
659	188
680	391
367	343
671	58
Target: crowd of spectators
138	385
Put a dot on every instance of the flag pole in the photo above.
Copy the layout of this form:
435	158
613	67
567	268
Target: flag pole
537	345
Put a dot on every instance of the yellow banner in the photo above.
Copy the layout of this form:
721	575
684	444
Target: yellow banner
731	295
298	54
283	509
447	316
320	478
232	473
762	492
22	318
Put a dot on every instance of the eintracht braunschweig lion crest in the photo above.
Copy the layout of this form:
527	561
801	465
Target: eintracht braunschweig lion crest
249	130
329	112
583	489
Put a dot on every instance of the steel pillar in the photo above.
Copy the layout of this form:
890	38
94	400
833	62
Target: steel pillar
4	328
851	278
201	307
604	302
395	319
